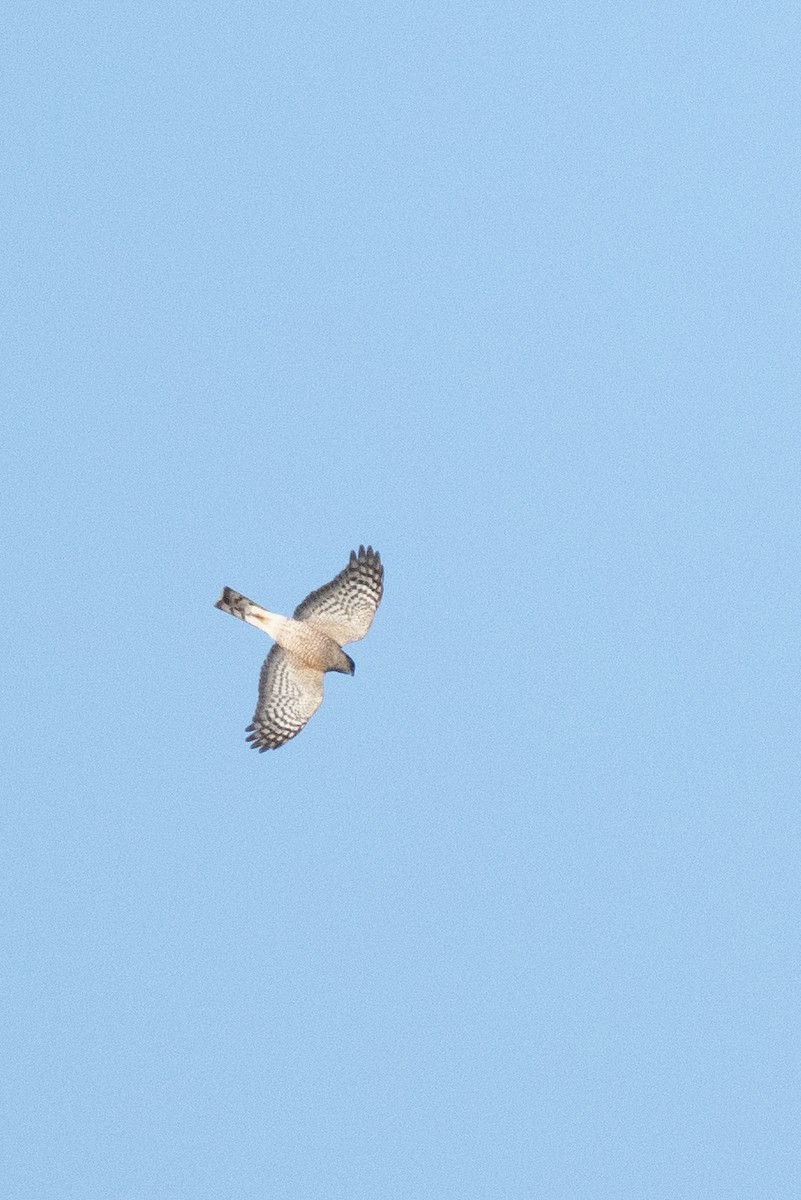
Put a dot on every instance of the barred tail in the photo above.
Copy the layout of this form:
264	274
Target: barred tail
238	606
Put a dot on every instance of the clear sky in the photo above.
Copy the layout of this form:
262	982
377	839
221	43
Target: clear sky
512	292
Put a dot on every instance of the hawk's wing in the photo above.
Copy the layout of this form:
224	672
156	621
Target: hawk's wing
345	607
289	693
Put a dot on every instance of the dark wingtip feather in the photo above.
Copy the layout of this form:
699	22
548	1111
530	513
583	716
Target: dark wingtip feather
364	552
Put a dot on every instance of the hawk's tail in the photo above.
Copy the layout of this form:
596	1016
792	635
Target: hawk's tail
239	606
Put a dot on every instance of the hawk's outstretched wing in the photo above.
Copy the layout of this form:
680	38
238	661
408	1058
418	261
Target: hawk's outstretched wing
289	693
345	607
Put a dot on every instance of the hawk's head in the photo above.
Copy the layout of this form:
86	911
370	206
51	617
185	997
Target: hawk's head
344	664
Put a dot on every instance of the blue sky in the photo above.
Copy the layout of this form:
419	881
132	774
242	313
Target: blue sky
511	292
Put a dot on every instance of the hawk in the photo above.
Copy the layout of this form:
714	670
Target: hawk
308	644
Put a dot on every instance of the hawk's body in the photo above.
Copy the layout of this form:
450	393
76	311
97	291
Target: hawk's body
308	644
